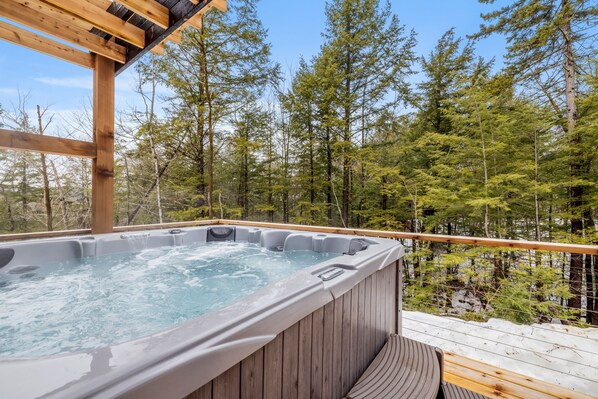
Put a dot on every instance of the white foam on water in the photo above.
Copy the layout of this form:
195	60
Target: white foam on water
98	301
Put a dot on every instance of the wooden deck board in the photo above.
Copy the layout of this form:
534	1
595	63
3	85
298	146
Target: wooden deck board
495	382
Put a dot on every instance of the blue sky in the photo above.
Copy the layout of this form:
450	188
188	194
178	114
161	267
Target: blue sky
294	29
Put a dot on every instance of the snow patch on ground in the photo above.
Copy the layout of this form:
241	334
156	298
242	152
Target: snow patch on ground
563	355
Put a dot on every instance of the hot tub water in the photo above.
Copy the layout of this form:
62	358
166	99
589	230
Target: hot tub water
87	303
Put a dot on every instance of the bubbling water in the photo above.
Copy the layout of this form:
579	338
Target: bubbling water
87	303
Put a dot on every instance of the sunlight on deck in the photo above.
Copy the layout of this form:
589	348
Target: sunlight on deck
499	383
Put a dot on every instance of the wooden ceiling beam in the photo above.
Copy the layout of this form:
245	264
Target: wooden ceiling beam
103	4
221	5
180	12
218	4
34	19
20	141
148	9
176	37
56	13
195	21
158	49
42	44
102	20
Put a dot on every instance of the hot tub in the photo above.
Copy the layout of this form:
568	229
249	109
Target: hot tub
221	311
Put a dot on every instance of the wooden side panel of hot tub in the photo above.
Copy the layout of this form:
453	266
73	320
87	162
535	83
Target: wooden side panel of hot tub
322	355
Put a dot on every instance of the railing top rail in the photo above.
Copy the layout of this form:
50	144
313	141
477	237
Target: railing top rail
479	241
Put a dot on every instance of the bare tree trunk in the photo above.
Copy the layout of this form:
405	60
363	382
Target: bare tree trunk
329	173
84	217
148	191
270	182
131	216
536	177
312	190
360	220
575	190
157	178
346	169
485	164
157	174
346	201
206	82
9	212
61	196
128	185
44	169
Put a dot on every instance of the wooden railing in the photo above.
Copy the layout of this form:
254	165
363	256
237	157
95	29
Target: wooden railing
479	241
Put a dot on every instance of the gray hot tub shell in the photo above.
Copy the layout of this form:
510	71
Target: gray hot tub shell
167	364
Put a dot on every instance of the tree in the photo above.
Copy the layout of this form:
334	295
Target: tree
444	70
373	57
547	39
214	71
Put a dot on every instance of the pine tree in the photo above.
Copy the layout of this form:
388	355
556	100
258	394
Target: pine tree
373	55
213	72
547	39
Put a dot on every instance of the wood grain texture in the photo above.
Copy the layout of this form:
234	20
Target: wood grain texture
305	357
327	356
22	37
148	9
353	344
228	384
273	368
57	13
290	362
102	19
495	382
102	181
20	141
337	348
345	354
317	354
252	376
205	392
30	17
361	329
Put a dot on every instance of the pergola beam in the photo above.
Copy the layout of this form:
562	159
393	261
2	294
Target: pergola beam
148	9
57	13
21	13
42	44
21	141
102	20
102	181
181	12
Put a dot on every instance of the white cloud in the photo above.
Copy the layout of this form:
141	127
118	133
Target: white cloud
8	91
124	84
81	82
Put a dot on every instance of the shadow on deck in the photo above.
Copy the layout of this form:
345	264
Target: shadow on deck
495	382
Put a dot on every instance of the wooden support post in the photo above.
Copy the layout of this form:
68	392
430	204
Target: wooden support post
102	182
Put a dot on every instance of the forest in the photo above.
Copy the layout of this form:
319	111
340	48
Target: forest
348	139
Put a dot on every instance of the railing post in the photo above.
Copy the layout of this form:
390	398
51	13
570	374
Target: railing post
102	182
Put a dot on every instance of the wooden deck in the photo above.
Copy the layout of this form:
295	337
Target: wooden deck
494	382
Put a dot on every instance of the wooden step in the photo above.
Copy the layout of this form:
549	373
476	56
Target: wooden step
452	391
404	369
